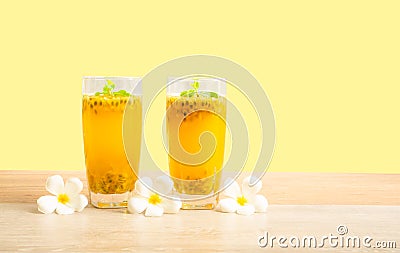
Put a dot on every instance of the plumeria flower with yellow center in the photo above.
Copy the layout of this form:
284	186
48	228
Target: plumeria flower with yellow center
245	202
150	201
66	199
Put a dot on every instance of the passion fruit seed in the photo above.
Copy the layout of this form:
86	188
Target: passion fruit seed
112	183
107	103
186	105
202	186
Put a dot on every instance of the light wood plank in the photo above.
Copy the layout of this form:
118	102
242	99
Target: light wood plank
22	228
279	188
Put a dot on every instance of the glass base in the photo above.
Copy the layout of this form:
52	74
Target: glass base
99	200
201	204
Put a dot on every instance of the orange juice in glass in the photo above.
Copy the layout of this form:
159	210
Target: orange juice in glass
196	112
106	101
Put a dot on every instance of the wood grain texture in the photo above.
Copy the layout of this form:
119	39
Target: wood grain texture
370	208
24	229
279	188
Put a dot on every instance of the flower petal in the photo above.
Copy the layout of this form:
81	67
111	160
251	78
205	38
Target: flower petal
78	202
142	186
73	186
250	191
55	184
227	205
47	204
154	210
171	206
233	190
64	209
137	204
163	185
245	210
260	203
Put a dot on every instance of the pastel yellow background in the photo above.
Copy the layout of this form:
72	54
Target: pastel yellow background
331	70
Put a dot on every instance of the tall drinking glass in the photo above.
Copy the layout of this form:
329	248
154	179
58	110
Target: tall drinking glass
106	101
196	112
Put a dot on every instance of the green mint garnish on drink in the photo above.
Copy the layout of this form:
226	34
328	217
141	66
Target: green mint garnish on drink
195	92
108	90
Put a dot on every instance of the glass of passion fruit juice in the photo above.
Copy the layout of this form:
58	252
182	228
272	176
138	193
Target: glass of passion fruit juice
196	113
106	101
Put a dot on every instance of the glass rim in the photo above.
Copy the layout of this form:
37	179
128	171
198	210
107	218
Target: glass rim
111	77
172	79
175	85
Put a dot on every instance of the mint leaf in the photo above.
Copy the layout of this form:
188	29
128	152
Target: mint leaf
108	90
122	93
195	91
188	93
110	84
191	92
213	94
208	94
195	85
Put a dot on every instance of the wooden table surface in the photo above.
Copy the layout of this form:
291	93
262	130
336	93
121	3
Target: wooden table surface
301	204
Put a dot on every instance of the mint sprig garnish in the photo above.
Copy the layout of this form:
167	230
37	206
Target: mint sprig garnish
195	92
108	90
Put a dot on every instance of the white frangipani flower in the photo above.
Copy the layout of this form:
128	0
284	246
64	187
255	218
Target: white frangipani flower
150	202
66	199
244	202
